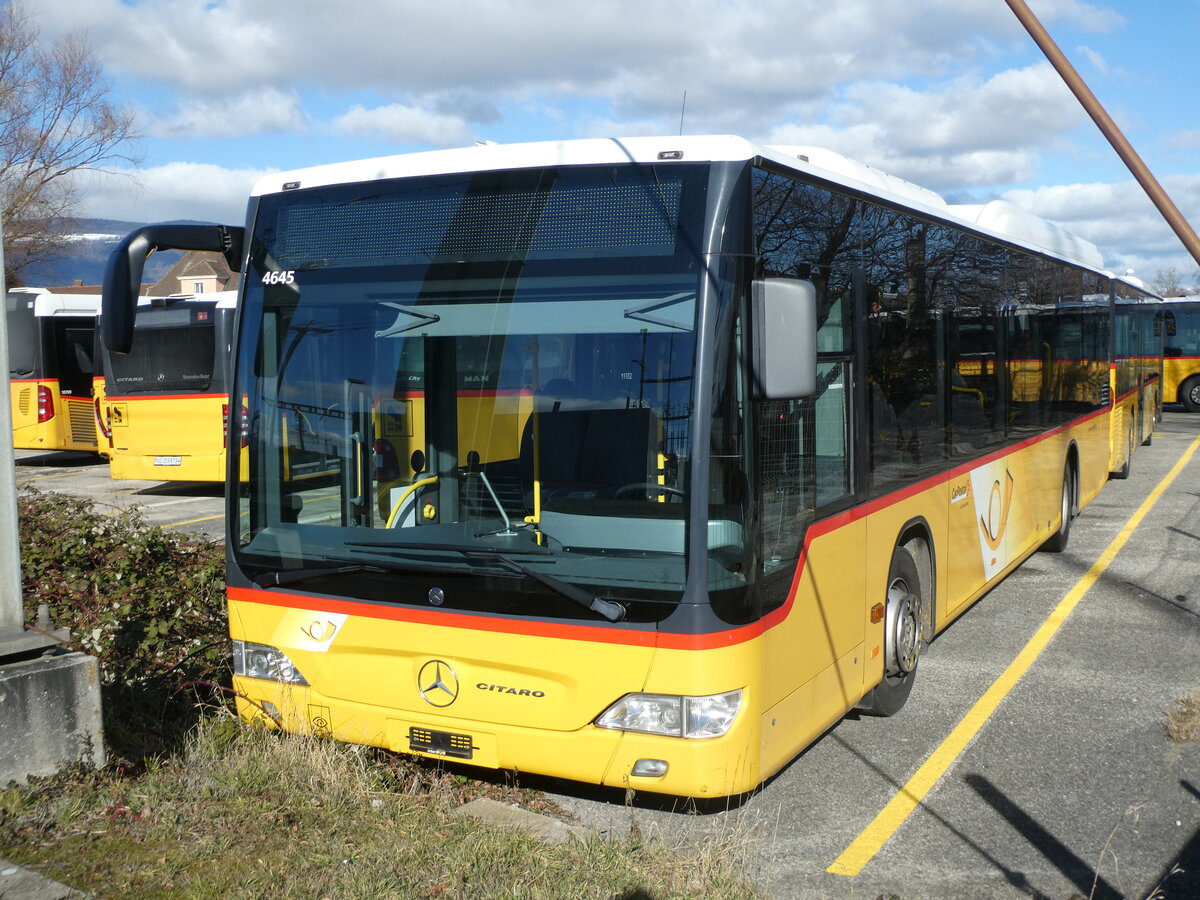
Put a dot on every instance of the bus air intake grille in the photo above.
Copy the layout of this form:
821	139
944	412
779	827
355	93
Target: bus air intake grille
83	425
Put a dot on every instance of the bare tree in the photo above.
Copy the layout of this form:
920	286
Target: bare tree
1166	283
56	119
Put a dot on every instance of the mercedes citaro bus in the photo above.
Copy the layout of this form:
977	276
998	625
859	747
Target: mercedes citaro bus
750	425
162	410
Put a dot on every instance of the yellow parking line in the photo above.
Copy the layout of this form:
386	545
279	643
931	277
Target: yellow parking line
44	477
194	521
864	847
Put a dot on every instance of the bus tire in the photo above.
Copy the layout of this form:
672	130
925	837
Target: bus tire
902	637
1057	542
1189	394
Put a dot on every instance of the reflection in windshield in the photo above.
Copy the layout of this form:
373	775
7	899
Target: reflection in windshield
507	403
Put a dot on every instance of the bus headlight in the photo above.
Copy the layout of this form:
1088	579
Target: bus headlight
261	661
669	714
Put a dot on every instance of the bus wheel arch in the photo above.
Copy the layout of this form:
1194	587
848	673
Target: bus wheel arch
908	621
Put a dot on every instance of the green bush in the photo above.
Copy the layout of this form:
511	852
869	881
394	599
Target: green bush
148	604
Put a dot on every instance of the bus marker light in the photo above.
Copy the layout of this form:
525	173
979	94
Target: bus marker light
876	613
649	768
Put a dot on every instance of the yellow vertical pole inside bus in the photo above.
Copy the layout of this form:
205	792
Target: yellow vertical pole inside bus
536	436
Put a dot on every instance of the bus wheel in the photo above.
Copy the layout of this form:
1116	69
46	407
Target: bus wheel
1057	542
901	638
1189	394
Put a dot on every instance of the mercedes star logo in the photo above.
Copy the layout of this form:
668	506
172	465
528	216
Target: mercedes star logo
437	683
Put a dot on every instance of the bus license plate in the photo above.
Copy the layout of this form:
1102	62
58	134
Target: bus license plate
168	460
440	743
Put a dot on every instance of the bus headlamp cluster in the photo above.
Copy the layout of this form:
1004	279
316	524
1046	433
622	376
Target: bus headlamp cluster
261	661
668	714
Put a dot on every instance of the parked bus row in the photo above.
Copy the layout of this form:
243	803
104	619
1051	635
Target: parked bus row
640	462
160	412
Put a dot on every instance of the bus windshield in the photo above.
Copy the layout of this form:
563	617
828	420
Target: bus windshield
176	352
23	338
453	374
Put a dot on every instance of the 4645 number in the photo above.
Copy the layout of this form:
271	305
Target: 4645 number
287	276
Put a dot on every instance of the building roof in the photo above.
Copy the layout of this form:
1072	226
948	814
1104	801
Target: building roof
195	264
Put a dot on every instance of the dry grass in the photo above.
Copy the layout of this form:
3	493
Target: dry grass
1183	719
250	813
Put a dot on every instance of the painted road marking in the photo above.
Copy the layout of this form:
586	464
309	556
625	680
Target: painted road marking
44	477
864	847
193	521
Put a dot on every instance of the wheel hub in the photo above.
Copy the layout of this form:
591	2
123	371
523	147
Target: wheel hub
903	636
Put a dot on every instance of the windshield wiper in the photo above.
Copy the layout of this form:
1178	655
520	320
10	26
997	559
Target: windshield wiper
452	548
280	577
609	609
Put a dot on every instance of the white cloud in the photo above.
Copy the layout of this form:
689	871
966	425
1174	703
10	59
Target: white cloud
255	112
964	133
1121	220
1096	60
403	124
741	61
165	193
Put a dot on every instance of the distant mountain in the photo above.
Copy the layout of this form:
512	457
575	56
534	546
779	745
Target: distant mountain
85	255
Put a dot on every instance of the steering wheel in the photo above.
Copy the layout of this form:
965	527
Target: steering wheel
648	486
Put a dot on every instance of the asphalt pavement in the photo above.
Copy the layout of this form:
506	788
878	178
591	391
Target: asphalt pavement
195	508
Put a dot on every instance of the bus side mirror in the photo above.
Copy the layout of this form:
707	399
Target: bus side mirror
784	313
123	273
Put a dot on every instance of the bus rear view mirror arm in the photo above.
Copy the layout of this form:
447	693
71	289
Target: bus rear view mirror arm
784	359
123	273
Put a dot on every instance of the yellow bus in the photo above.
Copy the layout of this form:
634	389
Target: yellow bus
1181	352
162	410
752	436
50	345
1137	371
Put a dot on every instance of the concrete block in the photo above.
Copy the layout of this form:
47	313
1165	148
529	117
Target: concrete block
49	715
18	883
546	829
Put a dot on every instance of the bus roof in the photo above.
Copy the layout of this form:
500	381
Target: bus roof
998	219
46	303
223	299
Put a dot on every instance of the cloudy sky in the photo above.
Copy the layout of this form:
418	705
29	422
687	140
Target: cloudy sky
951	94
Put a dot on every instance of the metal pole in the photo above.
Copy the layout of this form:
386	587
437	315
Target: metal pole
12	616
1109	128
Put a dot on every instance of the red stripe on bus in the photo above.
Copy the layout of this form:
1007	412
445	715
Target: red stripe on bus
116	398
